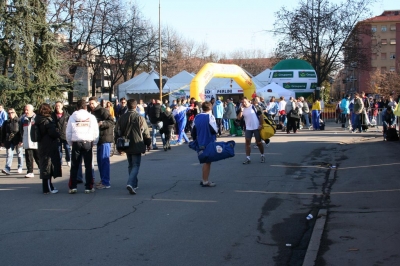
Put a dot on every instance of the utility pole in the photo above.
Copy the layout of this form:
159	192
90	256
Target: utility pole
159	38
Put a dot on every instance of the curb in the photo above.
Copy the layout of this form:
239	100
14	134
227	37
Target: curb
313	246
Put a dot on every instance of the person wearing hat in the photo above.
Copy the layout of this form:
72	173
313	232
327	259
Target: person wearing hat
388	121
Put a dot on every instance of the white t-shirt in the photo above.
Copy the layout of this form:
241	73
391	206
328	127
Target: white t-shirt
250	118
282	105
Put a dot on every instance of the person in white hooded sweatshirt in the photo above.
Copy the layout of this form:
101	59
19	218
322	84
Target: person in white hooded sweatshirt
82	134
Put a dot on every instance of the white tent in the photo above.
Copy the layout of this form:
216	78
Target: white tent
264	77
179	85
277	90
130	84
148	85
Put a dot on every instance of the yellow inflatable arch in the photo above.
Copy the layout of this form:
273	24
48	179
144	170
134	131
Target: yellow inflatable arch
213	70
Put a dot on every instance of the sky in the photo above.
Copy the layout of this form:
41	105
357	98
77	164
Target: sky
228	25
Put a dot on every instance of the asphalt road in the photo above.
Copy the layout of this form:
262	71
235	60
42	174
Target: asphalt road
256	215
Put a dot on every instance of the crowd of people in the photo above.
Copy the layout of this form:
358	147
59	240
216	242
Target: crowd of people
98	124
362	112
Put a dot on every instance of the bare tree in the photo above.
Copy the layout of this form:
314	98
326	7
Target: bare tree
385	83
318	31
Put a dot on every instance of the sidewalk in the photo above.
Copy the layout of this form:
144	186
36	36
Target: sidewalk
363	194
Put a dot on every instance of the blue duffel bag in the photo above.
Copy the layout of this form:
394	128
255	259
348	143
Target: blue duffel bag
215	151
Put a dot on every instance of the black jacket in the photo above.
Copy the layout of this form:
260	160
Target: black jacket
155	113
168	119
61	124
10	132
49	155
107	128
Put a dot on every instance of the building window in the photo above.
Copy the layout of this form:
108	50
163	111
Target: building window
373	56
393	27
392	69
383	70
383	56
384	41
392	56
383	28
373	28
373	69
392	41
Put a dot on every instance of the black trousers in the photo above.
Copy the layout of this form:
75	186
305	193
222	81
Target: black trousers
219	125
343	119
167	132
30	155
81	150
47	185
291	124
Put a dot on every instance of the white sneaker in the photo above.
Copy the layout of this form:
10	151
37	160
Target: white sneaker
19	170
4	171
69	164
29	175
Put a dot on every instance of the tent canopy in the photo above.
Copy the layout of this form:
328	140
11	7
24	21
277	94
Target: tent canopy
276	89
180	81
130	84
148	85
263	77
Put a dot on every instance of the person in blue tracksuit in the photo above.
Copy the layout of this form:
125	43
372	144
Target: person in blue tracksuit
204	131
179	114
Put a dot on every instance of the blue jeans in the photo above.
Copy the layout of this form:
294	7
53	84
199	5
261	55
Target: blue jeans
10	155
67	150
155	128
315	118
133	168
357	122
306	120
225	122
103	162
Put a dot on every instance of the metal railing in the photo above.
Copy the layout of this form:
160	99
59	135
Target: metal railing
330	115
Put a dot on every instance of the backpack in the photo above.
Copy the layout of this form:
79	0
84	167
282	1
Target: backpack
268	128
295	113
391	134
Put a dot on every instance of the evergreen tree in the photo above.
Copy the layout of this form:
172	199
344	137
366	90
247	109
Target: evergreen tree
28	54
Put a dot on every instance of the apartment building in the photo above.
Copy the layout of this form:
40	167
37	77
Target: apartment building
383	53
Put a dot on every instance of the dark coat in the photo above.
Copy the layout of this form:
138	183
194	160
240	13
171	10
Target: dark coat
49	155
139	135
107	128
10	132
155	112
168	119
61	124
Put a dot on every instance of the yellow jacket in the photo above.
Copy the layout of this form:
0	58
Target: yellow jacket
316	106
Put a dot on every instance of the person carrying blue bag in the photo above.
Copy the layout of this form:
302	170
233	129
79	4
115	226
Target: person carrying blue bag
204	135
